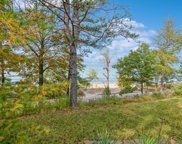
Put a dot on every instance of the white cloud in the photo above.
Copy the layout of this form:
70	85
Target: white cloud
134	24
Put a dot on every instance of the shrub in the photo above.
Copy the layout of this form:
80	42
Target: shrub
81	93
169	86
11	129
28	91
178	89
127	89
107	92
54	90
158	95
14	132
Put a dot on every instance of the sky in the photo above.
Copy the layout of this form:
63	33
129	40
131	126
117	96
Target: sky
152	13
147	17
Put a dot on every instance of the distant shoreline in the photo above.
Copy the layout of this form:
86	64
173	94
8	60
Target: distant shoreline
101	85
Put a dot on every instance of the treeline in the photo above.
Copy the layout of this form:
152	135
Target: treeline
153	66
44	41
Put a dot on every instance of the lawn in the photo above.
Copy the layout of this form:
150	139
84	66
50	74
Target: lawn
122	119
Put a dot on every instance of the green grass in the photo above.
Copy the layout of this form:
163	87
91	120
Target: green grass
122	119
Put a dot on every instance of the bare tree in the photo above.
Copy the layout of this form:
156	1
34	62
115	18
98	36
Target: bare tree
107	61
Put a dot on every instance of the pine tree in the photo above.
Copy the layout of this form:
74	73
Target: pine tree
84	27
168	44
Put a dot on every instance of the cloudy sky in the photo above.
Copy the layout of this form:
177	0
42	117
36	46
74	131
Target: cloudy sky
147	18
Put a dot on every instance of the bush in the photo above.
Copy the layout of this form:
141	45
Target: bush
178	89
12	130
54	90
169	86
107	92
158	95
127	89
27	91
81	93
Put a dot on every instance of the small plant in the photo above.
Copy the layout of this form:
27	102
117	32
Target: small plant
148	140
104	138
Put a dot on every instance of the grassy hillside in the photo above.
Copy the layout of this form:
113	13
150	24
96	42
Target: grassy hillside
122	119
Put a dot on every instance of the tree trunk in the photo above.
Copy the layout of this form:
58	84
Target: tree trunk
2	69
73	56
107	71
3	77
68	89
2	73
142	88
67	31
107	61
41	73
161	84
41	65
73	76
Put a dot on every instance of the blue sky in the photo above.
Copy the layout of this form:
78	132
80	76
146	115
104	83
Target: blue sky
152	13
147	17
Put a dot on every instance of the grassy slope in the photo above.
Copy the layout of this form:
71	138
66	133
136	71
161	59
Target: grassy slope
123	119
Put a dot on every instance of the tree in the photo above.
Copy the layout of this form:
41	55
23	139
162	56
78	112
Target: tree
167	43
10	32
138	66
83	26
92	75
107	61
43	43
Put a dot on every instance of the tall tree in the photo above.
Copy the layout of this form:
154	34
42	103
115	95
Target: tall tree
138	66
83	26
9	35
168	44
43	43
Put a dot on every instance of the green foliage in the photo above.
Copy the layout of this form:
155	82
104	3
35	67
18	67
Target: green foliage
14	132
27	91
28	99
168	43
106	92
54	90
24	99
92	75
138	66
127	89
169	86
178	89
148	140
83	82
158	95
